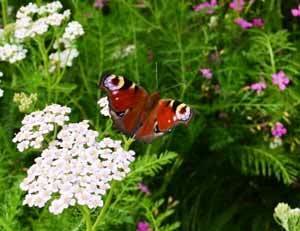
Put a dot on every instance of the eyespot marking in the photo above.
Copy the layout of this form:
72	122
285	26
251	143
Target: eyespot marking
183	112
114	82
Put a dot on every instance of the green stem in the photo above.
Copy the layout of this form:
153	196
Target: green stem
107	203
87	217
43	51
4	6
271	54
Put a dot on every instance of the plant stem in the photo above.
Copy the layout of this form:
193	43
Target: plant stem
87	217
271	54
105	207
43	51
4	12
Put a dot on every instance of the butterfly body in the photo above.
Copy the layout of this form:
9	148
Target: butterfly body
139	114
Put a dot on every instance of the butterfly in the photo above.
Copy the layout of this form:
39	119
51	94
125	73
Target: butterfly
139	114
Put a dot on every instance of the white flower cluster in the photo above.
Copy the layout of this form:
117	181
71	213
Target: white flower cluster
124	52
104	106
64	58
76	169
12	52
1	91
25	101
38	124
33	20
287	217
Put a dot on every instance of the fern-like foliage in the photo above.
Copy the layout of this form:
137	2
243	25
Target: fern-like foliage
265	162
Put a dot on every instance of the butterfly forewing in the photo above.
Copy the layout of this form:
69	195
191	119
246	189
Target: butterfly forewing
126	102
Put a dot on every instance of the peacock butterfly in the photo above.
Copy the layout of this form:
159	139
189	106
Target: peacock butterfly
139	114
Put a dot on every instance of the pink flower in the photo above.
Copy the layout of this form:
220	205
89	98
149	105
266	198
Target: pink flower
237	5
296	11
99	4
243	23
281	80
258	87
144	188
143	226
208	6
206	73
258	22
278	130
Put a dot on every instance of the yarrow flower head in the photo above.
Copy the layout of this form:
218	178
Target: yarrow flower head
24	101
73	31
124	51
237	5
278	130
207	6
104	105
143	226
243	23
281	80
296	11
12	53
33	20
64	58
37	125
206	73
258	87
76	169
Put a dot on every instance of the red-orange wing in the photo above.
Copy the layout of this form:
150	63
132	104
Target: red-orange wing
126	102
165	115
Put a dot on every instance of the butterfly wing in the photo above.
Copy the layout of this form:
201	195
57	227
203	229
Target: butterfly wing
126	102
166	115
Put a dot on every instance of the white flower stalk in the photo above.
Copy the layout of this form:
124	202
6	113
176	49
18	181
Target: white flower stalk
76	169
12	53
33	20
104	106
63	59
38	124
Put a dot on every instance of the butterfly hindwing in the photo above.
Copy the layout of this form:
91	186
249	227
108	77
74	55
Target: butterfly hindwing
126	102
166	115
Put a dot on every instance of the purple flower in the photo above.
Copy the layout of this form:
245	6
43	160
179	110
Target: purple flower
208	6
296	11
143	226
258	22
281	80
243	23
99	4
144	188
206	73
237	5
278	130
258	87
